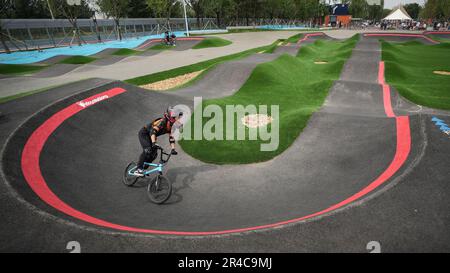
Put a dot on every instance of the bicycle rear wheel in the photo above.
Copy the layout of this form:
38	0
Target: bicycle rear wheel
159	189
128	179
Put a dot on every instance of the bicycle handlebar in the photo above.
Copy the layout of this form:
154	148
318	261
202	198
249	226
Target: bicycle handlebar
162	161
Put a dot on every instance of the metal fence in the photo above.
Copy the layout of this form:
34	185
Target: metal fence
26	34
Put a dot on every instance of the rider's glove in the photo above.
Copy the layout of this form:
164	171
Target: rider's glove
174	152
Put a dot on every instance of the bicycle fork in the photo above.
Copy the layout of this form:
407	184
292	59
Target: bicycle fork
157	181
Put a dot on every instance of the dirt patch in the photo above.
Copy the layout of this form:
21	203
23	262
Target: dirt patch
172	82
320	62
447	73
256	120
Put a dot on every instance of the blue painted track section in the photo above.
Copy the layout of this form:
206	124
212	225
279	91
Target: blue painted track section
27	57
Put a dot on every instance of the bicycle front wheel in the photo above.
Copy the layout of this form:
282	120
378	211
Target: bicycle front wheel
129	179
159	189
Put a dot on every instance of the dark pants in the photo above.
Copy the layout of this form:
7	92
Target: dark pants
146	143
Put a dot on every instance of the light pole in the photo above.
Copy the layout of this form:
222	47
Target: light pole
185	18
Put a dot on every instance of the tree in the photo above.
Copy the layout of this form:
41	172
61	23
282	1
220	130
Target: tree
413	10
138	9
386	12
165	8
115	9
218	8
272	8
71	13
38	9
198	7
359	8
375	12
6	8
30	9
436	10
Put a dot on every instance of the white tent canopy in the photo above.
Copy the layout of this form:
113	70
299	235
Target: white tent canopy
399	14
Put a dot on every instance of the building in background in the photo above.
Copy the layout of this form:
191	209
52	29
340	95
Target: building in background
339	16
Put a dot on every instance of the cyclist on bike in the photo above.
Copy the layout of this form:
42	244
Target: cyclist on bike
148	137
169	39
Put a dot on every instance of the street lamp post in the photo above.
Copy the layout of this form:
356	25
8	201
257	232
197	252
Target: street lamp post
185	18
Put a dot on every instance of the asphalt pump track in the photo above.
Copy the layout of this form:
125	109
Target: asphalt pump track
68	159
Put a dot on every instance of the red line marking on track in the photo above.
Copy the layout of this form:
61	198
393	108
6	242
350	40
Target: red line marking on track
33	176
178	39
401	35
309	35
437	32
386	92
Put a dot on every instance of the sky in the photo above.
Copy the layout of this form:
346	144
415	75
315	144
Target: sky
388	4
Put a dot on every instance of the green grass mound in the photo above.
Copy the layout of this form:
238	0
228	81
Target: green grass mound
271	49
19	68
410	69
78	60
125	52
412	43
212	42
294	39
439	38
319	43
295	84
206	65
443	45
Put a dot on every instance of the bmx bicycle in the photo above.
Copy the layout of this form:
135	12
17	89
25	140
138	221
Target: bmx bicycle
172	41
159	189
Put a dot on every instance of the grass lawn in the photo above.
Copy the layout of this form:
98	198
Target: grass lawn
296	84
294	39
212	42
125	52
78	60
159	76
439	38
20	68
206	65
272	47
409	68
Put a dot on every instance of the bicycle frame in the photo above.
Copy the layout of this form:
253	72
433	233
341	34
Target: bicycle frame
158	167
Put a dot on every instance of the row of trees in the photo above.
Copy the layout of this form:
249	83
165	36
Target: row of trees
248	11
224	10
436	9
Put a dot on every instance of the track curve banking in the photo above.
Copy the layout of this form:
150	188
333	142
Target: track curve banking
72	154
106	57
